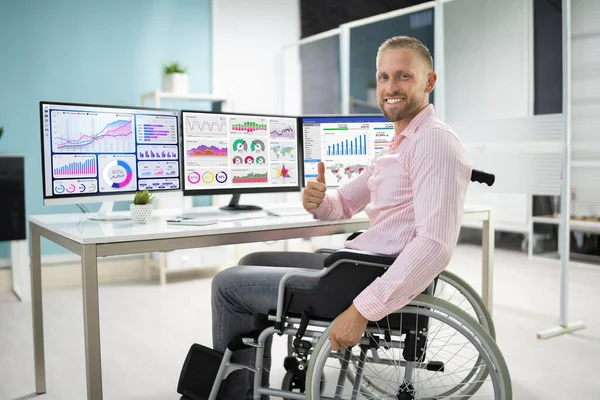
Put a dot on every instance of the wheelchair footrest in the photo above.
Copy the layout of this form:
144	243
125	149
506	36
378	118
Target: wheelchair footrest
199	372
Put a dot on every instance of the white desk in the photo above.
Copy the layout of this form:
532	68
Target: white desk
91	240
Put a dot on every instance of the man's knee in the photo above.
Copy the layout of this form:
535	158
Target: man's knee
258	258
224	279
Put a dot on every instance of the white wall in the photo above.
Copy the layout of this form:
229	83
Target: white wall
248	41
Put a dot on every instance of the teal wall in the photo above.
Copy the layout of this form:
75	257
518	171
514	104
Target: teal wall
86	51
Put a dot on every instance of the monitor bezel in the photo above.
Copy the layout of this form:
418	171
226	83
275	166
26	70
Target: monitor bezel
227	191
97	197
301	126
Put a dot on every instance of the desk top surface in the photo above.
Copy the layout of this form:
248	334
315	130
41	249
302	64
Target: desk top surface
81	229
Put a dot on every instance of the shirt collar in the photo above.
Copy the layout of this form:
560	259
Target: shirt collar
418	121
412	127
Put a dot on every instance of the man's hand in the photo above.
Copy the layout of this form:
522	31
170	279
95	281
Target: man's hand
314	192
347	329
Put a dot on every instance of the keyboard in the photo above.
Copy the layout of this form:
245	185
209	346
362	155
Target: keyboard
223	216
286	210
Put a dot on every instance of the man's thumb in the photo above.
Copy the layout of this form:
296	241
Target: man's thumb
321	172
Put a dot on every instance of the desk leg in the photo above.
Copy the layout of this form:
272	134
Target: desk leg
37	310
487	273
91	320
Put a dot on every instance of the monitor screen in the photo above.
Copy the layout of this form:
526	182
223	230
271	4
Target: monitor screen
226	153
345	144
101	153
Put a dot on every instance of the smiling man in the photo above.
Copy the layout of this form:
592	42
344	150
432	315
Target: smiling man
413	192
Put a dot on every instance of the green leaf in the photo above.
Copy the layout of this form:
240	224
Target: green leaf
174	68
142	197
1	131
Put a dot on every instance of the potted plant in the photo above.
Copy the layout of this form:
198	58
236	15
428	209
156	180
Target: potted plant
175	79
1	131
141	209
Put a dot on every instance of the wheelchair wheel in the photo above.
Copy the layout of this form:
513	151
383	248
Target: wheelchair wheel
455	290
431	350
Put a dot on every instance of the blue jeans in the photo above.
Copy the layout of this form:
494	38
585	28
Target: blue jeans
242	296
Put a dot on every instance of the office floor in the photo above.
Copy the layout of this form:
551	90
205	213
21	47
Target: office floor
147	329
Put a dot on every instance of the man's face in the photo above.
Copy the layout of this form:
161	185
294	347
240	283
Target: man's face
402	83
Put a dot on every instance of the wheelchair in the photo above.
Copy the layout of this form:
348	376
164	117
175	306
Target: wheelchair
429	349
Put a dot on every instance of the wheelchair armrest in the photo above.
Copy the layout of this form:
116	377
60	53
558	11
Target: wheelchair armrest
354	235
326	250
359	257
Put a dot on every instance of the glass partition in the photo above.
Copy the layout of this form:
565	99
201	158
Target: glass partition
365	40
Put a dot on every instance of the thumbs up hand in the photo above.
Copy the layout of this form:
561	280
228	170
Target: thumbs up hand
314	192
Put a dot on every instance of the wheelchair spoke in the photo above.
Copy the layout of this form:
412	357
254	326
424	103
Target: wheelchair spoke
419	353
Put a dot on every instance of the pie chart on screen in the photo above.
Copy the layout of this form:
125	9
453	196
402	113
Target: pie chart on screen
117	174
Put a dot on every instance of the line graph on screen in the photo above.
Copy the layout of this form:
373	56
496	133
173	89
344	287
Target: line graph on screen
82	132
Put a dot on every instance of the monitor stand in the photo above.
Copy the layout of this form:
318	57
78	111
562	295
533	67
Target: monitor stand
105	213
235	206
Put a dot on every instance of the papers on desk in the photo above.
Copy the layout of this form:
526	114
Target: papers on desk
192	221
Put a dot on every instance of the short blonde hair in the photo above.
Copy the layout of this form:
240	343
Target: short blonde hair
407	42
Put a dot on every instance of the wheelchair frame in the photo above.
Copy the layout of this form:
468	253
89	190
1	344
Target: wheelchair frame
284	325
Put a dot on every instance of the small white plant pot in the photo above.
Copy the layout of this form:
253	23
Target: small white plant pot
141	213
175	83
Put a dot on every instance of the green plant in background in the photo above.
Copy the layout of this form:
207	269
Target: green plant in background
1	131
372	84
174	68
143	197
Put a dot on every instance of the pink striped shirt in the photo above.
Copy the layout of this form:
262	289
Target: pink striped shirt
413	192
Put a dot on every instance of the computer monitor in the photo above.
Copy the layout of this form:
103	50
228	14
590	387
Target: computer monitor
345	143
230	153
101	153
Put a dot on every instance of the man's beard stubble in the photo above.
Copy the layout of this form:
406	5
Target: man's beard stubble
409	107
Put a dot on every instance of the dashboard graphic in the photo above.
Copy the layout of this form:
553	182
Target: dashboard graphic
202	124
228	151
345	144
108	150
74	166
281	129
78	132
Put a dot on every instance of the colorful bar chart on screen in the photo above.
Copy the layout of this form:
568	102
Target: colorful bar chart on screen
257	126
203	124
156	129
85	132
158	169
146	152
74	166
241	176
348	146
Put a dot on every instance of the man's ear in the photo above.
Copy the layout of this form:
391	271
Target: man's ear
431	79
